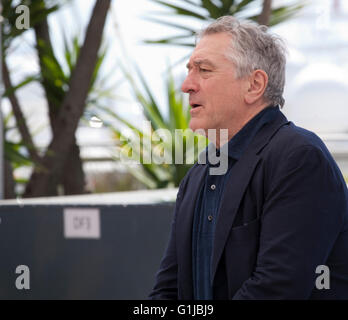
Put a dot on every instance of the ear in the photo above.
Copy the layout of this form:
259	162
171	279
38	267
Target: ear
257	85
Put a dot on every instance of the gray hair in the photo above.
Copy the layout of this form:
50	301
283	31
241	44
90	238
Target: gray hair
253	48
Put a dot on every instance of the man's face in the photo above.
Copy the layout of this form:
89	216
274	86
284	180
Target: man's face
216	97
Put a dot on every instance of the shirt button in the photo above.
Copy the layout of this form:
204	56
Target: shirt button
210	218
213	187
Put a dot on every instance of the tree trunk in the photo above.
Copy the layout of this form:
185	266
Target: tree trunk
265	15
9	181
73	177
73	105
42	34
19	116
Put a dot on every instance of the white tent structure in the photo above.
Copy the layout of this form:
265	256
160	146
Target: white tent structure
316	91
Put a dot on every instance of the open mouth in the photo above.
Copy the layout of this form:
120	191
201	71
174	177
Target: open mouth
195	106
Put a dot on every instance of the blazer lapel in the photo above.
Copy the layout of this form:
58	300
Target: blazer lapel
241	174
184	232
232	196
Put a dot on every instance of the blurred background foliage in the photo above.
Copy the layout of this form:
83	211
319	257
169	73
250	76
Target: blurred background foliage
56	76
209	10
163	146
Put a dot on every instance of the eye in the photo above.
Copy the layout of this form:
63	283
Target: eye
204	70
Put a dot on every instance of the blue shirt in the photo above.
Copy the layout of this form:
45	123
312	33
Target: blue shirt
208	204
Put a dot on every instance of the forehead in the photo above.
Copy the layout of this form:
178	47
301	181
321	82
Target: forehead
212	47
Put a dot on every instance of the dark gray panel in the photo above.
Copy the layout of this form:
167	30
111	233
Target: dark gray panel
120	265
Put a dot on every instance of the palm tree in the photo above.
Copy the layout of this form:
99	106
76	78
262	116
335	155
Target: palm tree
208	10
66	94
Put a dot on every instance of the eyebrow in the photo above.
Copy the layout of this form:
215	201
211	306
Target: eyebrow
198	62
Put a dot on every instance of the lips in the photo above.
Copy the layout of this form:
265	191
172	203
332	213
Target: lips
195	105
195	109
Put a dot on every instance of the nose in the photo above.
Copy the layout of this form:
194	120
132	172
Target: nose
190	84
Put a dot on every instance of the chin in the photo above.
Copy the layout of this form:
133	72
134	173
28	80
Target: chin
197	126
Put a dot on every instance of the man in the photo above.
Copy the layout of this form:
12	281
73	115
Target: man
275	225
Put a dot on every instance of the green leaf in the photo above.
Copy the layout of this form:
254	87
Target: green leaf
240	6
193	3
13	155
213	10
226	5
151	109
170	39
23	83
284	13
280	14
163	41
171	24
180	10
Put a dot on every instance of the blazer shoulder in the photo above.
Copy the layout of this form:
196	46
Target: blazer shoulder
295	146
290	138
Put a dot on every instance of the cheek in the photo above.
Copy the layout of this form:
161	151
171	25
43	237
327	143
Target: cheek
221	98
227	94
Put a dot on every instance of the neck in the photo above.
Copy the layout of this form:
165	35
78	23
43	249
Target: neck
222	138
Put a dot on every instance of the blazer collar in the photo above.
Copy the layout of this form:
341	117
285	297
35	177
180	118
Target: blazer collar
242	172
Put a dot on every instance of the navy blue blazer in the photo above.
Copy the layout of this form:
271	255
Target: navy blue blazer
284	212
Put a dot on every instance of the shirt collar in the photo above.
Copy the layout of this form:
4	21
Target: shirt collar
240	141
